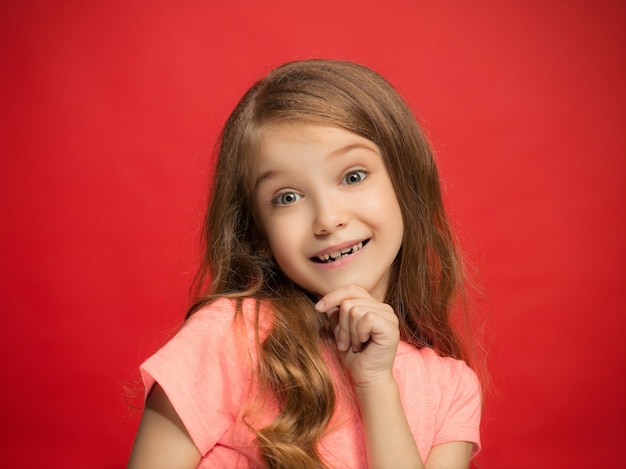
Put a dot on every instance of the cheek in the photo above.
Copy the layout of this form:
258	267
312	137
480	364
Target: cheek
287	255
391	220
386	206
281	239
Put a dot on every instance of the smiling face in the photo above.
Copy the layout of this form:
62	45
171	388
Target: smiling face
327	207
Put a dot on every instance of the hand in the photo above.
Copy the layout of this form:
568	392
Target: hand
367	333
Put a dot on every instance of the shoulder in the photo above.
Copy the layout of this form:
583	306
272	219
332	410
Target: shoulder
220	336
223	311
435	366
443	395
207	368
444	379
220	317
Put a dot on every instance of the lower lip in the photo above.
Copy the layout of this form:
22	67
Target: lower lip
341	262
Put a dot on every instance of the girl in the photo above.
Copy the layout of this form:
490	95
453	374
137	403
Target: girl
320	336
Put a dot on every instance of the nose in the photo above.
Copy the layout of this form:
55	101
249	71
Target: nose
330	216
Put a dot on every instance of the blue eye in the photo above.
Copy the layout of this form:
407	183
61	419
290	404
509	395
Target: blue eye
354	177
287	198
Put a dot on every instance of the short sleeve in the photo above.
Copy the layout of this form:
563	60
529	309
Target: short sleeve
462	419
205	372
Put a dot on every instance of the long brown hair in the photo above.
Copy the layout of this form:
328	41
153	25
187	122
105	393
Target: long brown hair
426	275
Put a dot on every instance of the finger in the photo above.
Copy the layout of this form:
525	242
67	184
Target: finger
360	330
333	316
342	333
345	306
337	305
357	319
336	297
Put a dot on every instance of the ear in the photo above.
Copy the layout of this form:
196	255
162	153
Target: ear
263	248
267	252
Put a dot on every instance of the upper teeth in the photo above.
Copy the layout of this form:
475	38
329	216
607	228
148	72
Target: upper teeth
335	254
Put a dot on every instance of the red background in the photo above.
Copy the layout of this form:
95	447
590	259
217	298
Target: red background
109	111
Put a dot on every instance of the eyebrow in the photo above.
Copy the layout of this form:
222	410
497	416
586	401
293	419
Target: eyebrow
266	175
338	152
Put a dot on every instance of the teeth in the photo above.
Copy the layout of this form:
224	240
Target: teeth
336	254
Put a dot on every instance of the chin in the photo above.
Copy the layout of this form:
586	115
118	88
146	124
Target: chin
328	289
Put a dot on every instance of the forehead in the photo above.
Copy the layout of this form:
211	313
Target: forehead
282	144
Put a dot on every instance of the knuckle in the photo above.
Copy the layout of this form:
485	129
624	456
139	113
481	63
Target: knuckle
345	306
354	312
368	316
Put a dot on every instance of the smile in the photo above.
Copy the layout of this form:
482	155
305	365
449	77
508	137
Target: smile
334	255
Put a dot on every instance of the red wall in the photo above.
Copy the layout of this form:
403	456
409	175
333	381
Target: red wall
109	110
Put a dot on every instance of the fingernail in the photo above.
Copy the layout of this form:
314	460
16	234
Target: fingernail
341	346
319	305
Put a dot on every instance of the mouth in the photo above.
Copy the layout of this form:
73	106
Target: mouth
335	255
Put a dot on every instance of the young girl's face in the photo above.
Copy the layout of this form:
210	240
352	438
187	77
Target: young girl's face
327	207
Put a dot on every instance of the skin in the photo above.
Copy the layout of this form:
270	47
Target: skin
319	189
322	189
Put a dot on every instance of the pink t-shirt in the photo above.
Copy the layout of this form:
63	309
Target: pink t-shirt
208	375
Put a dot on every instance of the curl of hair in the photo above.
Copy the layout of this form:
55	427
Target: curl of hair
426	274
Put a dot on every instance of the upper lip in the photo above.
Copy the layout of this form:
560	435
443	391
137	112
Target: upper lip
338	247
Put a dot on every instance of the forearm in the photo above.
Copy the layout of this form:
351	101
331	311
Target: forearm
389	441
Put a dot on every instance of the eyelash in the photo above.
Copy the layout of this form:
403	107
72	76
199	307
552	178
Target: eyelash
362	172
276	200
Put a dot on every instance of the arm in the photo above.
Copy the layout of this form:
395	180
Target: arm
367	334
390	443
162	442
456	454
389	439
